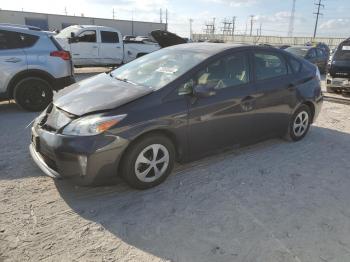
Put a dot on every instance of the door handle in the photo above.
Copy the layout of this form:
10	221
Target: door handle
118	46
95	46
13	60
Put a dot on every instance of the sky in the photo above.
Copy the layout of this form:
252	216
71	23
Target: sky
272	15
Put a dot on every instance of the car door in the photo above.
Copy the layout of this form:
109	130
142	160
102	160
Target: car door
12	57
222	119
85	48
111	48
274	92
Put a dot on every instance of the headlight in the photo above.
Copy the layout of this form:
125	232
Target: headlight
91	125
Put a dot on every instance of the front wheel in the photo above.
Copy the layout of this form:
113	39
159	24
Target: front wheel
299	124
33	94
148	162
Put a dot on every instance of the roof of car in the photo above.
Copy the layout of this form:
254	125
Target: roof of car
214	48
20	29
210	48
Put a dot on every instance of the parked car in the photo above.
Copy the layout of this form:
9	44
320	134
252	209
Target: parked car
284	46
32	66
92	45
177	104
320	45
338	77
314	55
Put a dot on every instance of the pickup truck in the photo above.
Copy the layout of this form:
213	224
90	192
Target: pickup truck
92	45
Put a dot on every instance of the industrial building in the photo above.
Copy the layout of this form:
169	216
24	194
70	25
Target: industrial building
57	22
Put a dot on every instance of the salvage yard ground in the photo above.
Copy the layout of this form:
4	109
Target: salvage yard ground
275	201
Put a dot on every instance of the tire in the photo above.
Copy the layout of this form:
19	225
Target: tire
302	115
138	167
33	93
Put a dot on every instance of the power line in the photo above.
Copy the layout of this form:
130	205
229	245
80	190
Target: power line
319	5
291	20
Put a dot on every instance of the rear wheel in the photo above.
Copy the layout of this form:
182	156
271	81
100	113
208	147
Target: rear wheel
33	93
148	162
299	124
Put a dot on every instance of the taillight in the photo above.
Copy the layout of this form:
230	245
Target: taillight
65	55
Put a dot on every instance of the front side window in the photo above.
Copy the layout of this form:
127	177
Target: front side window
157	69
319	52
296	65
230	71
87	36
269	65
109	37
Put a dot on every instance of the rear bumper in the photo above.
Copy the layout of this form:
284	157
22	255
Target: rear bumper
341	84
60	83
87	158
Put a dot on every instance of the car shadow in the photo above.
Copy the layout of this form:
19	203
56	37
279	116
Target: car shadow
237	206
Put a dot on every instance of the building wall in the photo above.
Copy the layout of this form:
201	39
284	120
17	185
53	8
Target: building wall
126	27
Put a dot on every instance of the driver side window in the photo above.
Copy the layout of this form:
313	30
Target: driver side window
231	71
87	36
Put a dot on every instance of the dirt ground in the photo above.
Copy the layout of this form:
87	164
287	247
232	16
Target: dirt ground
272	202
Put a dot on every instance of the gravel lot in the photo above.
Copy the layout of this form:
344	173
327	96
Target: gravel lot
275	201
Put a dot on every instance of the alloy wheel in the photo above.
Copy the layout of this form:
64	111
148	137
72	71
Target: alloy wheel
151	163
301	123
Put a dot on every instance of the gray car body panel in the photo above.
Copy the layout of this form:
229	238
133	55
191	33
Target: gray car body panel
101	92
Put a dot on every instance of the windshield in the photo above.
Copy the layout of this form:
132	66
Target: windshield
159	68
65	33
342	52
298	51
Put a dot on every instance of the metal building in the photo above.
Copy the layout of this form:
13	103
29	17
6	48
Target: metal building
57	22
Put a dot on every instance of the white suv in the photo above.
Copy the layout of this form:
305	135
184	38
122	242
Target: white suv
32	66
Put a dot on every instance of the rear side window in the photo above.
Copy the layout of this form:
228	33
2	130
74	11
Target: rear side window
269	65
87	36
13	40
311	53
109	37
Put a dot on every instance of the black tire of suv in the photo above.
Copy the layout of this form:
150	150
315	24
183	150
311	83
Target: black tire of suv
33	93
129	160
290	135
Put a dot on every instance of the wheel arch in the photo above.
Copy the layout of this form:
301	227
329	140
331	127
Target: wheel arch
312	109
28	73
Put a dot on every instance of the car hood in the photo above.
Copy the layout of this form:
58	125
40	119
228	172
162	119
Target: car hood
165	38
100	92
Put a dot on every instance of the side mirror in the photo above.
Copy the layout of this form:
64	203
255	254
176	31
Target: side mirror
72	38
72	34
203	91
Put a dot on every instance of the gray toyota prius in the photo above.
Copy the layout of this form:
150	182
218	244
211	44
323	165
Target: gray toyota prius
177	104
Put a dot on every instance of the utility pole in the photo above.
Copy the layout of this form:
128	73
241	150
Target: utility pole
65	10
233	25
191	33
291	20
251	24
319	4
166	19
160	15
113	13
